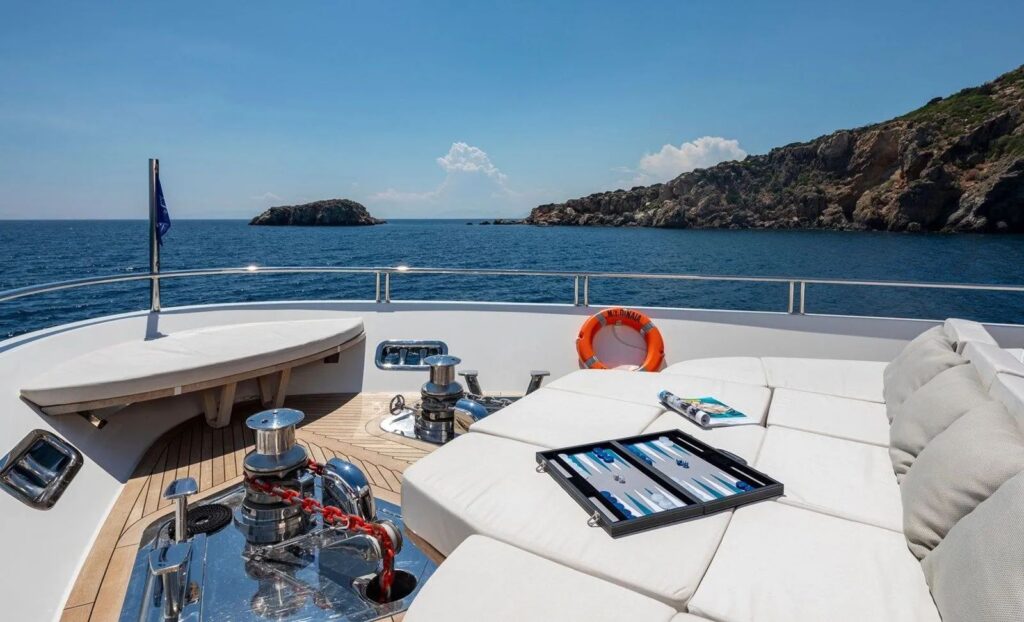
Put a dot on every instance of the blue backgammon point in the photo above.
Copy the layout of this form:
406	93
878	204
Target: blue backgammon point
604	454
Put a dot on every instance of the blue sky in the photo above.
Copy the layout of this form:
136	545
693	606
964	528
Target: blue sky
438	109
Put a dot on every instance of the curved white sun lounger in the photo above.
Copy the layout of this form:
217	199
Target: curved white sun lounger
213	359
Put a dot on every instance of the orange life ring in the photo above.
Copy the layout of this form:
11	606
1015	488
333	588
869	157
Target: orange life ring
625	317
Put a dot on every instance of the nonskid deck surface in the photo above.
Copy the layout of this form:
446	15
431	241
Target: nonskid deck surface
337	425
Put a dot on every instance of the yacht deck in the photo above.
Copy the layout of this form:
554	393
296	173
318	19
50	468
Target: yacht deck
336	425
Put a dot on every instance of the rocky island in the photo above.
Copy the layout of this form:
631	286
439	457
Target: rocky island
955	164
327	213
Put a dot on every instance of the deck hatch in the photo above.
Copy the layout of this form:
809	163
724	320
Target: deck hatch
39	469
406	354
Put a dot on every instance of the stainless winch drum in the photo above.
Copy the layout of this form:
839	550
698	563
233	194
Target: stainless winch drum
278	460
435	421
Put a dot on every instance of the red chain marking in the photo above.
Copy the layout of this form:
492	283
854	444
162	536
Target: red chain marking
335	516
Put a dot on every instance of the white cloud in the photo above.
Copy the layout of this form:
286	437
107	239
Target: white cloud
671	161
469	159
472	186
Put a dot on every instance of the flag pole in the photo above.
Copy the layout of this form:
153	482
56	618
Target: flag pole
154	242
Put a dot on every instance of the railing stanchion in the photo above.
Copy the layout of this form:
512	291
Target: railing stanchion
586	291
387	287
803	295
376	276
792	293
576	290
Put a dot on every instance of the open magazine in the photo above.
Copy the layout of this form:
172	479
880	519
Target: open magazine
706	412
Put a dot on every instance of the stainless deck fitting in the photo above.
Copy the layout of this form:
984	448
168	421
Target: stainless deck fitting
277	459
169	563
472	378
276	451
346	487
179	491
435	421
39	469
536	378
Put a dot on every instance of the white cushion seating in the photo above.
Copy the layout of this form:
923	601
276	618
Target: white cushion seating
487	485
924	358
843	478
553	418
483	576
835	547
975	572
861	380
962	332
930	410
741	440
173	362
841	417
989	360
643	388
745	369
1017	353
960	468
1009	391
779	563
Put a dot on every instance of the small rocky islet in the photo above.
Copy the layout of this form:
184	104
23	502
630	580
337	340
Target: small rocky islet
326	213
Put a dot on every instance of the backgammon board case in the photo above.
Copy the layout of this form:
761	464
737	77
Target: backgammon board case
637	483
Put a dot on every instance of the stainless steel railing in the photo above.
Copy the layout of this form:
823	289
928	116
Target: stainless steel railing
581	281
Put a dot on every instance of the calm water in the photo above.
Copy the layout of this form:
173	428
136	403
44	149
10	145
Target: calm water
36	252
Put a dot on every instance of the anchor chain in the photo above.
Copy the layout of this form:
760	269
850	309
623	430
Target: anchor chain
333	515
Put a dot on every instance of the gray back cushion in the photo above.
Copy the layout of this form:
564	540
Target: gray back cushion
930	410
923	359
959	469
977	572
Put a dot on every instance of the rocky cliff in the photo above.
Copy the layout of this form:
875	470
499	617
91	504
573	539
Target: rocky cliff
955	164
328	213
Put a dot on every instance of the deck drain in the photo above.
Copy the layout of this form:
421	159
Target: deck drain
205	519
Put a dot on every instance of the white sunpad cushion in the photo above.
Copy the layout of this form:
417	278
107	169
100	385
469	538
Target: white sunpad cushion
834	476
487	485
553	418
742	440
962	332
841	417
488	580
185	357
643	388
1017	353
745	369
989	360
860	380
779	563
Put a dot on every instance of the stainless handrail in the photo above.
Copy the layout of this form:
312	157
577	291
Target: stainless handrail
797	296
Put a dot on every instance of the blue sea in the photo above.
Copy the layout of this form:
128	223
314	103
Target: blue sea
33	252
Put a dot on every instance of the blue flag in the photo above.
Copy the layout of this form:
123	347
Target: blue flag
163	218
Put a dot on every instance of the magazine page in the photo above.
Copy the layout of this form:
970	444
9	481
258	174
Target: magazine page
706	412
